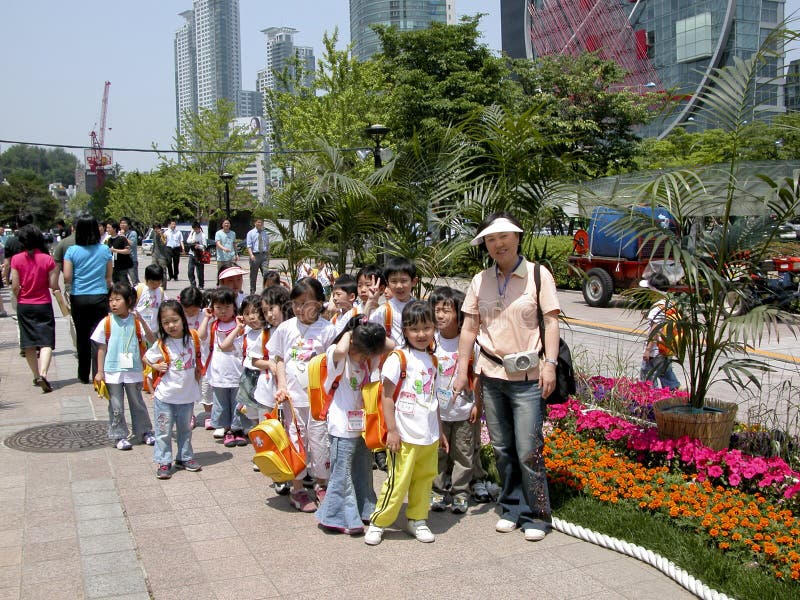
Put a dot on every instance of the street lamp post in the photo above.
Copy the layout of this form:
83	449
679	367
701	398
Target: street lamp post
377	132
226	177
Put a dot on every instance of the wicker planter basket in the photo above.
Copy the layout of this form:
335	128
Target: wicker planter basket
712	424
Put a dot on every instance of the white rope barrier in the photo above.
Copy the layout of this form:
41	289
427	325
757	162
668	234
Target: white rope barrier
668	568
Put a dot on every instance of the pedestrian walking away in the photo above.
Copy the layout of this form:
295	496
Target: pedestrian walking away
196	244
257	241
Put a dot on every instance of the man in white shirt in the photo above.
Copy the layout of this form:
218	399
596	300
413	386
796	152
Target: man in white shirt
175	246
258	249
133	240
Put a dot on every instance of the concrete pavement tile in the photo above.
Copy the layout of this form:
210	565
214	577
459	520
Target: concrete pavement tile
44	551
50	533
135	470
138	482
139	596
66	569
55	590
567	584
98	564
89	472
224	484
116	583
145	522
62	514
161	535
11	538
48	502
246	588
12	481
152	555
143	506
97	511
230	567
172	487
622	572
246	495
173	574
93	485
200	591
10	576
210	549
204	499
12	493
199	532
11	593
100	544
196	516
613	595
105	526
583	553
11	519
95	498
655	589
250	510
10	556
150	492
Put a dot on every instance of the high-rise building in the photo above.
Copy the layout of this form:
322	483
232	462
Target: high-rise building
185	75
793	86
218	51
406	15
251	104
282	55
663	45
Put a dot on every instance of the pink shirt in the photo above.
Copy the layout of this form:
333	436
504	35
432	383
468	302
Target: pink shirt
34	286
508	321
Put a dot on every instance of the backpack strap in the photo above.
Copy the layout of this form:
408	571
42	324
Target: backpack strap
265	335
403	373
328	393
537	281
107	328
211	336
387	319
157	375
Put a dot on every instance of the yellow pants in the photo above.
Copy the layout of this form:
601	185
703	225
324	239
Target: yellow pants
410	471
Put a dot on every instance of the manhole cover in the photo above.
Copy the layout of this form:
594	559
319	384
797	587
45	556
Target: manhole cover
70	436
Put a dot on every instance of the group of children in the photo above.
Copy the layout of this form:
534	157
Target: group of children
243	356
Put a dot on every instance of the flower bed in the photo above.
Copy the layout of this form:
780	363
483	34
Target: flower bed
742	504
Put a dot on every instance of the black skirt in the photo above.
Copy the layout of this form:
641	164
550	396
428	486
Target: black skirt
37	326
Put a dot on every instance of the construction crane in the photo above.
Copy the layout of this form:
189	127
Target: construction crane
96	159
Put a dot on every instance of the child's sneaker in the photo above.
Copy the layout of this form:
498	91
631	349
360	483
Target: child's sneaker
241	439
380	460
438	502
320	492
219	433
123	444
189	465
302	501
255	468
149	439
460	504
374	535
421	531
207	424
281	488
164	471
229	441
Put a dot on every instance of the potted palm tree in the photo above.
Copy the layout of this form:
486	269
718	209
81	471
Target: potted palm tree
710	334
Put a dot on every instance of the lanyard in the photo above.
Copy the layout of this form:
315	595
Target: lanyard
501	289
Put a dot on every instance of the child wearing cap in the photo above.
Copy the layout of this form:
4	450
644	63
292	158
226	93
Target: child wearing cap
233	278
656	363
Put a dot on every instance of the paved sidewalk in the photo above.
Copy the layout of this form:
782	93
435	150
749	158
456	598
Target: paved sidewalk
97	524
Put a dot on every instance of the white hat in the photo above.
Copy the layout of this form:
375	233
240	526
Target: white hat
231	272
499	225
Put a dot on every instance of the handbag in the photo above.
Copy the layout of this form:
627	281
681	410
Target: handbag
565	374
204	257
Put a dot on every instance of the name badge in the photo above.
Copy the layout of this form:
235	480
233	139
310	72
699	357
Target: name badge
126	360
355	420
445	398
405	403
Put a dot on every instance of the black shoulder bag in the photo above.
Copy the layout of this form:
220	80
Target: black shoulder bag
565	375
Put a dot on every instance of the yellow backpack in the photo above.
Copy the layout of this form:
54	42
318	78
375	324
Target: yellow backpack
319	398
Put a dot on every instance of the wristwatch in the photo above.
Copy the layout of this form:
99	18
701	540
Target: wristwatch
552	361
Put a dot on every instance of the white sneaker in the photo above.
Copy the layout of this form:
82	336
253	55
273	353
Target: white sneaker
123	444
219	433
534	535
374	535
421	531
505	526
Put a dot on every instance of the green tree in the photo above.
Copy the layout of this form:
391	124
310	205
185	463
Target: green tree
440	75
585	109
53	165
144	197
26	191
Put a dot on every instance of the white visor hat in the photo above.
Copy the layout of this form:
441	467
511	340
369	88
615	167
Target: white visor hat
500	225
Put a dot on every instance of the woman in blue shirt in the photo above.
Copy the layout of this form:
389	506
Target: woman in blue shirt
87	266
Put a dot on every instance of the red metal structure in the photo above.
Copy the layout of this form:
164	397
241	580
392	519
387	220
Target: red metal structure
576	26
97	159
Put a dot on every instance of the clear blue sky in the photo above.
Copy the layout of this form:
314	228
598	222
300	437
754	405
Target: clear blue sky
56	54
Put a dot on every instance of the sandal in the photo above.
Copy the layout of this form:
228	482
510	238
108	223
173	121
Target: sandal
45	385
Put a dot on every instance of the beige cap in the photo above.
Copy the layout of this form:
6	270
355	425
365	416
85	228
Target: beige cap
499	225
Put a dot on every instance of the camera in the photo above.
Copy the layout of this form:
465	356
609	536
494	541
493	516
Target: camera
519	362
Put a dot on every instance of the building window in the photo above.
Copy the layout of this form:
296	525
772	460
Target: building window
693	38
767	94
769	11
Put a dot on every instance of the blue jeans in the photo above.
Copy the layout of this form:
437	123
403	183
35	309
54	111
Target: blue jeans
167	415
140	417
350	498
659	368
223	410
514	416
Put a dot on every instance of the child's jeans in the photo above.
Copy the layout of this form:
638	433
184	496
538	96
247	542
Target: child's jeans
659	368
460	436
223	412
411	470
167	415
140	417
350	499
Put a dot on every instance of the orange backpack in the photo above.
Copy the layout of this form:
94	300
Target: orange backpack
375	430
157	376
669	336
276	456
